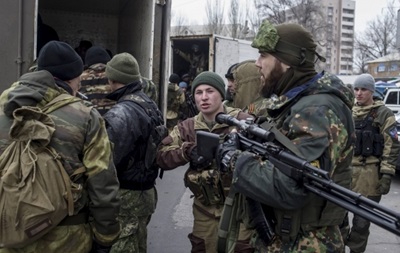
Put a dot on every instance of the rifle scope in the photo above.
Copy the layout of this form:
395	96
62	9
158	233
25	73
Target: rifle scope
223	118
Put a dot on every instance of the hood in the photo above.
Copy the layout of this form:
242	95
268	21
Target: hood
32	89
127	89
323	83
248	83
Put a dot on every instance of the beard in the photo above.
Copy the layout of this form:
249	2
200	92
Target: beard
271	83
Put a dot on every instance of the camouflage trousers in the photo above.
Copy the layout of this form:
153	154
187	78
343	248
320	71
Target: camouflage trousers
323	240
134	216
204	235
68	239
356	237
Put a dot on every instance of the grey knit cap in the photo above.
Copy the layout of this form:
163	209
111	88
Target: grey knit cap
123	68
365	81
209	78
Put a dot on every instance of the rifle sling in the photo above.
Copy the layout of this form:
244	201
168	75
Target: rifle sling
282	139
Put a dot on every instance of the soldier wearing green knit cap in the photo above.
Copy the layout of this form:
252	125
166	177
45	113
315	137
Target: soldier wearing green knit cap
313	110
208	185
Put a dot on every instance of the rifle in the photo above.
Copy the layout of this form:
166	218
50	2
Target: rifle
191	105
313	179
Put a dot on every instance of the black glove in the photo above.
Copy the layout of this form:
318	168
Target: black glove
228	151
98	248
197	161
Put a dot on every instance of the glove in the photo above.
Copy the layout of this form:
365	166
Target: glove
197	161
383	185
98	248
227	152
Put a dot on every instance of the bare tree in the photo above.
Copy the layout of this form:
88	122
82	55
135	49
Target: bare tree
215	15
308	13
179	22
234	18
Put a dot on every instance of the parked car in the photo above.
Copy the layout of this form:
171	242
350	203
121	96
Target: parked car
392	99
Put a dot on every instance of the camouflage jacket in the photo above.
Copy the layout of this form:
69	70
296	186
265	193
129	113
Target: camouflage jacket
81	140
94	85
316	117
175	149
150	88
175	101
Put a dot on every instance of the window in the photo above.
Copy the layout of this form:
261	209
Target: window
392	98
381	67
394	67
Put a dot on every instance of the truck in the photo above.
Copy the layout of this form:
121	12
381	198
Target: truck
139	27
220	52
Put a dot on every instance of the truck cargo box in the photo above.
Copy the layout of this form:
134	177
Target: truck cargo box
135	26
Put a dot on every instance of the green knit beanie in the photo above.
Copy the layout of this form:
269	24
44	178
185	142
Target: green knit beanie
123	68
211	79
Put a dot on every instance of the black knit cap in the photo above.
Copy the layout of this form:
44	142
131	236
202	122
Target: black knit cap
229	73
174	78
61	60
96	54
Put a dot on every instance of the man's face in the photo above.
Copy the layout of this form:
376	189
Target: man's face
363	96
271	71
231	85
208	99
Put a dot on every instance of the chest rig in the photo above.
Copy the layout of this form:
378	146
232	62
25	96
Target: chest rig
369	140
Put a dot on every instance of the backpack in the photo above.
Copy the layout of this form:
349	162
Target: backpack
35	190
159	130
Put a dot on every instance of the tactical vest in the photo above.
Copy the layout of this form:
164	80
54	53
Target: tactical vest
369	140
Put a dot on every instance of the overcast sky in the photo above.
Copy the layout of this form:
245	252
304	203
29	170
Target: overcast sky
366	10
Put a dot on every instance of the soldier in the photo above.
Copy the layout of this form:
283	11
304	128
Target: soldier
80	138
208	185
375	155
175	102
230	92
94	83
150	88
248	89
196	58
313	110
130	125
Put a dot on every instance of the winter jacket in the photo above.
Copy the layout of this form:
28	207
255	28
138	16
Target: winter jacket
316	117
129	127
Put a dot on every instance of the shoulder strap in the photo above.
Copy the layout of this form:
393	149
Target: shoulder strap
228	226
58	102
282	139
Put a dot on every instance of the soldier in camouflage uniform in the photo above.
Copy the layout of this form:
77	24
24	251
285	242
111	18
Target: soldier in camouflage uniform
94	83
375	155
81	139
313	110
175	102
129	127
150	88
208	185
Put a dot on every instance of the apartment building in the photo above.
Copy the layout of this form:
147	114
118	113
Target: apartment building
336	42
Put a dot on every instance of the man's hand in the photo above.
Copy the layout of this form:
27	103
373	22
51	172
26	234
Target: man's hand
227	152
197	161
383	185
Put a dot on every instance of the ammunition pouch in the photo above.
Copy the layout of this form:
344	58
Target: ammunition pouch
206	186
369	141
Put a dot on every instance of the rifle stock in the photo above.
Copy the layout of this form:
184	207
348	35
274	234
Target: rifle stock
313	179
